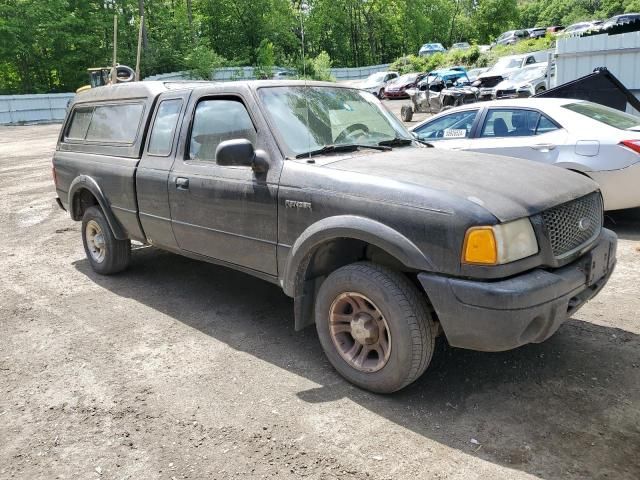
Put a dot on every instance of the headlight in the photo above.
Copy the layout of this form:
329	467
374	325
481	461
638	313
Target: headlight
498	244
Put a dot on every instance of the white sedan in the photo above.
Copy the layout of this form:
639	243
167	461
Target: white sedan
376	82
591	139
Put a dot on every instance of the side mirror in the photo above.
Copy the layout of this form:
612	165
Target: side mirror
239	152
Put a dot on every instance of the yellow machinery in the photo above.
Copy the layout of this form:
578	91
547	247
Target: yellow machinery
100	76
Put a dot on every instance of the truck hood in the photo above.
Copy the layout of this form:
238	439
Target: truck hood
509	188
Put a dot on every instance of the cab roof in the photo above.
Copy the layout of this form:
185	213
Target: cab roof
151	89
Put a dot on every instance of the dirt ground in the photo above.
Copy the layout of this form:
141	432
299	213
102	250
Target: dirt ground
179	369
396	105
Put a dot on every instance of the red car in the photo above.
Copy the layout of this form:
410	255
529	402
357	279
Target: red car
398	87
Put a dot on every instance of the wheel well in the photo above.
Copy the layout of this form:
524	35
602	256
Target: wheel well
328	257
579	172
82	200
339	252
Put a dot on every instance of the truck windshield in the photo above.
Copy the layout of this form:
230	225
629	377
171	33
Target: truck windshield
309	118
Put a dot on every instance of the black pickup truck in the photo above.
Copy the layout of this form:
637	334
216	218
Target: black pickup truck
382	242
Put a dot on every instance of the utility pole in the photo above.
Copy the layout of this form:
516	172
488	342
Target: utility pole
114	72
139	48
145	40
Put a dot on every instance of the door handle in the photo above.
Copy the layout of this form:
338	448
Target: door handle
182	183
543	147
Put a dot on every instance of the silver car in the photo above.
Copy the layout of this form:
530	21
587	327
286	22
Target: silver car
524	83
591	139
376	82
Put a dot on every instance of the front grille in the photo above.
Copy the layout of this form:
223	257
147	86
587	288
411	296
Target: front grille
490	82
504	93
573	224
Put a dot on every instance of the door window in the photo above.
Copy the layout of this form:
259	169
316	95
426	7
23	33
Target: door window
454	125
164	127
516	123
216	121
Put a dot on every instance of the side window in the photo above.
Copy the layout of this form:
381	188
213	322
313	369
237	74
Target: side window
80	123
454	125
530	60
545	125
164	127
115	123
515	123
216	121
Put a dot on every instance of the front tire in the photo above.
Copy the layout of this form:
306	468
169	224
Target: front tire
406	113
106	254
374	326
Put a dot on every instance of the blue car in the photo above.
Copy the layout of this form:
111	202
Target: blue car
430	48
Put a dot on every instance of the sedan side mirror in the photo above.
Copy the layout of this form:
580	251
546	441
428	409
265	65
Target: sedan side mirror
239	152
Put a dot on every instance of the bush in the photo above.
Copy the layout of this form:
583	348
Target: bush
202	61
469	58
265	60
321	67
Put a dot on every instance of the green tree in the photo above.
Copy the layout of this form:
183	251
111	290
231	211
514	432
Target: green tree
492	17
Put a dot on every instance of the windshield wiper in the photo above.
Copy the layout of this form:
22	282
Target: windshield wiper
342	147
396	142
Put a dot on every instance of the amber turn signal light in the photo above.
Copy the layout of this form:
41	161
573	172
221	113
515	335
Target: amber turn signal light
480	246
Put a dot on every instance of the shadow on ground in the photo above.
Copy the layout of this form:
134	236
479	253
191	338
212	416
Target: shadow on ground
569	407
626	223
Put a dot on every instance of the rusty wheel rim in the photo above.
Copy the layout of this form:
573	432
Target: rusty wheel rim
95	241
359	332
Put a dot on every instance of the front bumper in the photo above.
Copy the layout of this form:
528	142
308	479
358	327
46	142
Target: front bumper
528	308
486	94
396	94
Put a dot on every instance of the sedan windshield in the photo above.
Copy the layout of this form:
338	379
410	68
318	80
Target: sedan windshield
408	78
375	77
529	74
504	63
309	118
608	116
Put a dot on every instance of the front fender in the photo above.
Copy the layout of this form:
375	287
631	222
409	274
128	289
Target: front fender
357	228
85	182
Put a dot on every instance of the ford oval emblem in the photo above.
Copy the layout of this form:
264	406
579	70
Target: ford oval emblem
584	224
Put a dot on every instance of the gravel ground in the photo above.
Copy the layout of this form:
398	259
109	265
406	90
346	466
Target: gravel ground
179	369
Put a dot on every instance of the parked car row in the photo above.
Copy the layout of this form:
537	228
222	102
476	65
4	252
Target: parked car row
512	37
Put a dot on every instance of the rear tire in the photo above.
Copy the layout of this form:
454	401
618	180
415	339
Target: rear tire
360	308
406	113
106	254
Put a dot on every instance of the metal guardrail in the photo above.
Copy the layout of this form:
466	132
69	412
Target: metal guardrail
247	73
51	107
18	109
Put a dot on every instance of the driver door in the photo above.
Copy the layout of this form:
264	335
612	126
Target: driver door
227	213
449	131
